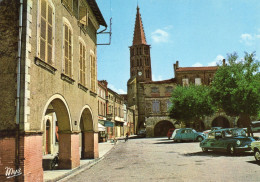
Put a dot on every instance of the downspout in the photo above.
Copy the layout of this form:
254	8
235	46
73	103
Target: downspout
18	86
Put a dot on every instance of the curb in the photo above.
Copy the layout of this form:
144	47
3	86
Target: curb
79	169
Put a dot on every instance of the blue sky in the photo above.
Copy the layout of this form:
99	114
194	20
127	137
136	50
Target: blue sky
195	32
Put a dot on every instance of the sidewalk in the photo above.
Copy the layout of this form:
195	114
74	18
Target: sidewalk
55	175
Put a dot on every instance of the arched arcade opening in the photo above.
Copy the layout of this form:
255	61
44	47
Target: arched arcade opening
88	137
162	127
58	135
220	121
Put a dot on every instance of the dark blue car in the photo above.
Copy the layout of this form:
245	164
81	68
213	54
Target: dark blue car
231	140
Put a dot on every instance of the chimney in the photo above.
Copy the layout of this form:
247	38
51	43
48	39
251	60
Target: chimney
224	62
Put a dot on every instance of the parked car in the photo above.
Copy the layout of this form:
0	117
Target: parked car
255	125
174	133
188	134
255	146
232	140
141	133
206	132
215	128
170	131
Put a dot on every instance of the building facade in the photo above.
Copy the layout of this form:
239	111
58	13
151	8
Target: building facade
151	99
49	91
203	76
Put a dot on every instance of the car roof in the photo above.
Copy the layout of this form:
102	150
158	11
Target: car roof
223	129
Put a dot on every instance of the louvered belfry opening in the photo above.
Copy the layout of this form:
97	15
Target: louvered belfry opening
140	60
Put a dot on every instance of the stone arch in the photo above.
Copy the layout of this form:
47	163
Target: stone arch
161	128
86	119
198	125
61	108
57	107
220	121
88	137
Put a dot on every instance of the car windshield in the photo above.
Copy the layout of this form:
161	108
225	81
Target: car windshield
239	132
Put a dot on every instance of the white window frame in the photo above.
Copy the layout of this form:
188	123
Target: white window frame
38	31
197	81
66	21
92	55
81	40
185	81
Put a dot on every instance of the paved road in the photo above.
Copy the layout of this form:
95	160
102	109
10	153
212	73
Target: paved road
159	159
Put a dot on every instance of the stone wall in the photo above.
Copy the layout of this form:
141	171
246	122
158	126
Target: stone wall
8	62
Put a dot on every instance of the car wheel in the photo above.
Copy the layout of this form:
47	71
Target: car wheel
168	138
205	150
199	139
257	155
231	149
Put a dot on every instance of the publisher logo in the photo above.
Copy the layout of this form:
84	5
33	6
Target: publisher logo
10	172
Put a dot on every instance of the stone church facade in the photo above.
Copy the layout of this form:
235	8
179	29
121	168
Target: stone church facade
152	98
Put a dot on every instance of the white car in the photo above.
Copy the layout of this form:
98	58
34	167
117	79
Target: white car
255	146
174	133
255	126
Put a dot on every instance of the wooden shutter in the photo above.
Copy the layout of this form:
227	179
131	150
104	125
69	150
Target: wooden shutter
50	35
46	32
67	51
83	15
82	63
93	73
43	30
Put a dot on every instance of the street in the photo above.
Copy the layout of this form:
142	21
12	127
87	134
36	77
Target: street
159	159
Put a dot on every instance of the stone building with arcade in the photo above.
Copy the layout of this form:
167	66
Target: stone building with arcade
151	99
48	95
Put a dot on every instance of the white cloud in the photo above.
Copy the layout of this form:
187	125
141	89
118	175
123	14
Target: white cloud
197	65
218	59
247	39
159	78
119	91
160	35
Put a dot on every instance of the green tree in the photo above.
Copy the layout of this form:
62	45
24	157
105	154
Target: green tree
190	103
236	88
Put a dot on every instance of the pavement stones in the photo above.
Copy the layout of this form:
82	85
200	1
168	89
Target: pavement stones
56	175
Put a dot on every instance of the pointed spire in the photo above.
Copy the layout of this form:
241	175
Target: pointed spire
139	36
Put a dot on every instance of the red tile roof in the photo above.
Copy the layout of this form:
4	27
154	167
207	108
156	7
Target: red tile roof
205	68
172	80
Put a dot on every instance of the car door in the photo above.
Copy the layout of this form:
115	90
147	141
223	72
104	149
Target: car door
186	135
211	141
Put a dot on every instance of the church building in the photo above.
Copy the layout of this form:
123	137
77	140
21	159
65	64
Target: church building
151	99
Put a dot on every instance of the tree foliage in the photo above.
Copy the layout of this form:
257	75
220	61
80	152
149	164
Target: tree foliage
236	87
190	103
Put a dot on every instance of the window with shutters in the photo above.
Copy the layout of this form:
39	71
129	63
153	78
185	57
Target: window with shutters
156	106
68	4
82	63
67	50
169	104
45	51
93	73
83	16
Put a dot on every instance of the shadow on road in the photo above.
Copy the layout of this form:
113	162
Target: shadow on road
218	154
254	162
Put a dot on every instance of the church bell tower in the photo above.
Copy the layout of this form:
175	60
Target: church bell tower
140	60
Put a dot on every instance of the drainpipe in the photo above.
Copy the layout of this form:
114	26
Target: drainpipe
18	86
